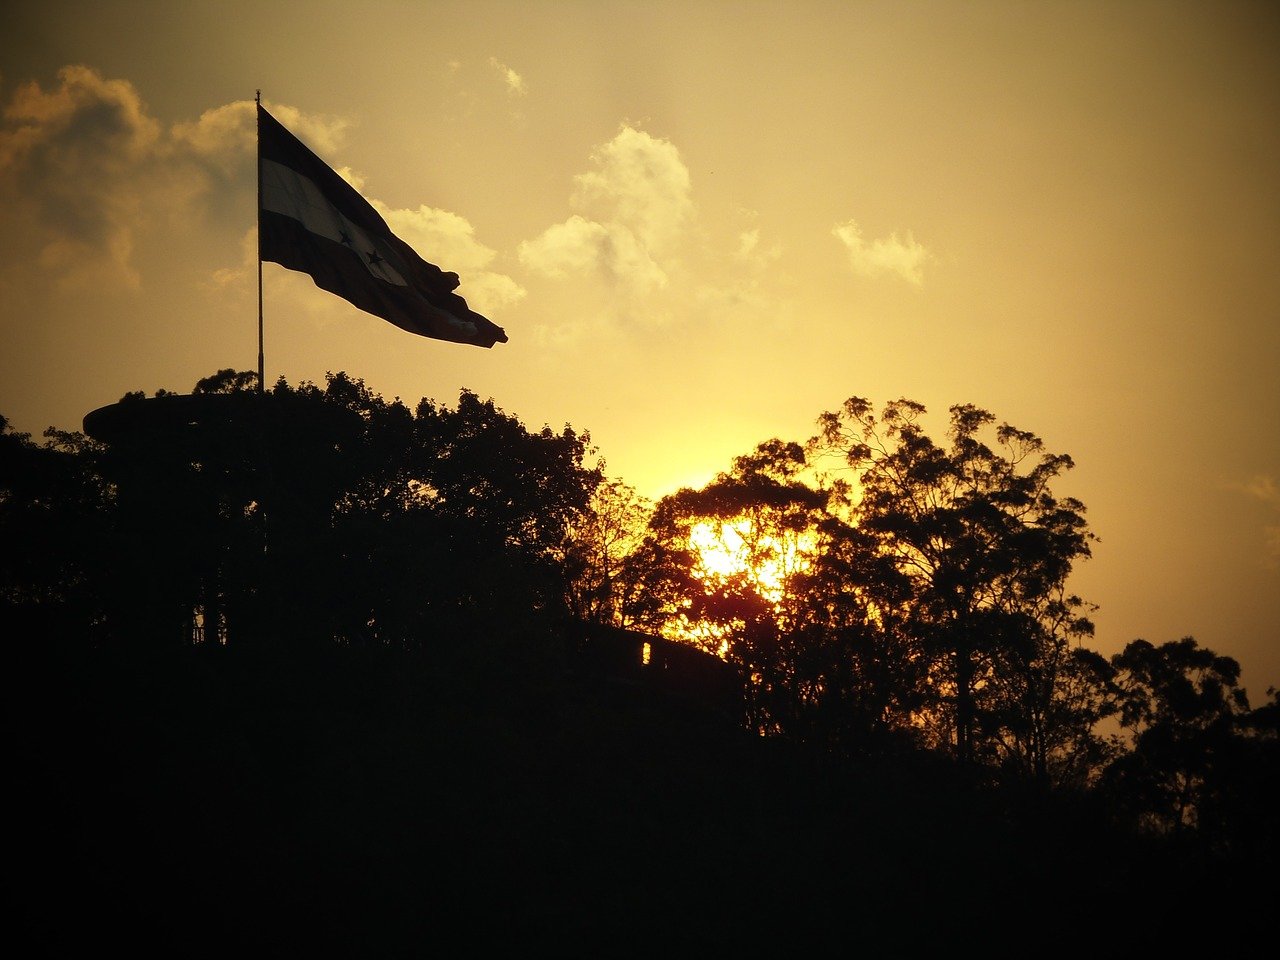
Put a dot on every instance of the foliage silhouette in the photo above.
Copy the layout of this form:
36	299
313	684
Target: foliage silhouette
55	522
1193	740
986	548
309	662
315	514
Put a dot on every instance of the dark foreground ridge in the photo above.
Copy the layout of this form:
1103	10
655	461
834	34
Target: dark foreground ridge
375	803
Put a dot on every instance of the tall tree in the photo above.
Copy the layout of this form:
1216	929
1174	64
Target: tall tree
986	545
448	516
757	568
598	541
743	537
1186	715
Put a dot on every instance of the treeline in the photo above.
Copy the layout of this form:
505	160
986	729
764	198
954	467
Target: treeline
882	594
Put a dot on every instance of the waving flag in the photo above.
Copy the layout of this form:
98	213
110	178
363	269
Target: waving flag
313	221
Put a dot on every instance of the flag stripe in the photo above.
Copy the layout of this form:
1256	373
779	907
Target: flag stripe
313	221
292	195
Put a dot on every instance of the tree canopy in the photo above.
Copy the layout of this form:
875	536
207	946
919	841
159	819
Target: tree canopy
878	594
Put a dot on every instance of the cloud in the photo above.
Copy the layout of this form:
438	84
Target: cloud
631	211
639	181
69	162
449	241
582	246
513	80
223	135
906	258
751	252
1266	491
229	277
86	172
748	244
750	263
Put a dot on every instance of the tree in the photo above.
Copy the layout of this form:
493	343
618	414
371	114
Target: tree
850	616
757	568
446	517
986	547
594	555
314	514
1185	714
732	549
55	522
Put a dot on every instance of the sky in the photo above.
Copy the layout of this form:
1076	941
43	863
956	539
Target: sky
703	224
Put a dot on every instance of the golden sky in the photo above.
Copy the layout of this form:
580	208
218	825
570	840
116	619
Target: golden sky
701	225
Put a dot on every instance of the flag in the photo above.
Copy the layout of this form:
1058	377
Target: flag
313	221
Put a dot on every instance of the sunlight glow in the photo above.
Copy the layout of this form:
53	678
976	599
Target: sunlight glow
723	551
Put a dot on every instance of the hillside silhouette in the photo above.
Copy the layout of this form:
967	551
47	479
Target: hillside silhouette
308	670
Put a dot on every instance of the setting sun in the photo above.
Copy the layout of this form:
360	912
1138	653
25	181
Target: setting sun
724	551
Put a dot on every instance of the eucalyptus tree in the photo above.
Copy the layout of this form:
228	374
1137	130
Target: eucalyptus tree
757	567
1189	726
985	547
718	565
597	544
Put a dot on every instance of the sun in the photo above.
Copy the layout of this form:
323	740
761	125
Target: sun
727	549
720	550
724	550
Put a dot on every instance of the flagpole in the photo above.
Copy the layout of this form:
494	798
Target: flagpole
258	115
264	461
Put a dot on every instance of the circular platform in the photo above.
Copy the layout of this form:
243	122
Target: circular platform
176	417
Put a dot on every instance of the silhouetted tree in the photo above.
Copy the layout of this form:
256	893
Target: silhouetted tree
1252	816
757	568
440	517
503	498
597	542
986	547
758	516
311	514
852	614
225	381
55	523
1185	713
919	604
187	471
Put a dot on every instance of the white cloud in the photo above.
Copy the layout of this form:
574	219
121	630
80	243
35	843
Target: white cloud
449	241
85	172
223	135
906	258
579	246
632	209
641	182
748	243
513	80
753	253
